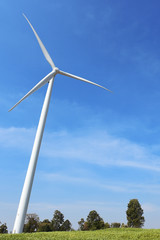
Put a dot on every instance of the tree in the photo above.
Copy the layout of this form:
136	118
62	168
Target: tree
134	214
66	226
94	221
44	226
3	228
81	224
57	221
86	227
31	223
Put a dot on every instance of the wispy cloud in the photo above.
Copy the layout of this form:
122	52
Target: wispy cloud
98	148
18	138
102	149
114	186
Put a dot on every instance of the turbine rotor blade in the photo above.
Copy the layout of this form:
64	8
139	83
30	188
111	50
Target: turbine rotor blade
35	88
81	79
44	50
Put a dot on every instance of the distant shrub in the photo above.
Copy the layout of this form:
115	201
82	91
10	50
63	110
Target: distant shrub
3	228
123	225
107	225
115	225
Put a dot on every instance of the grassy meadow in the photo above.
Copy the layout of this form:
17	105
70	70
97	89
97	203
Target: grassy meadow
108	234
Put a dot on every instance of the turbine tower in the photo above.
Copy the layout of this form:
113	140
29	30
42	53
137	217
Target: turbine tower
24	200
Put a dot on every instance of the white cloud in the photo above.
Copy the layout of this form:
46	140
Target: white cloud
95	147
114	186
100	148
81	180
17	138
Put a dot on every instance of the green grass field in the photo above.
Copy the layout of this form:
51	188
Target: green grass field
108	234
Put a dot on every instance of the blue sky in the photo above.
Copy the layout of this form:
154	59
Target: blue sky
99	149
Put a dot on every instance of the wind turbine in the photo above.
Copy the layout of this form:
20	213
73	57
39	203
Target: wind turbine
24	200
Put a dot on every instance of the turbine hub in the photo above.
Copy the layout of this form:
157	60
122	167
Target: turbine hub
56	70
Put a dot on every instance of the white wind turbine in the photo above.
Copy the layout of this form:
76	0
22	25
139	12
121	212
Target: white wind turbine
24	200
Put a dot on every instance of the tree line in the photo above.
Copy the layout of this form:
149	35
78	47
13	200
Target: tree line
93	221
134	214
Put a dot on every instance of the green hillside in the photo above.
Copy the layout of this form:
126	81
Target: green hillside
108	234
